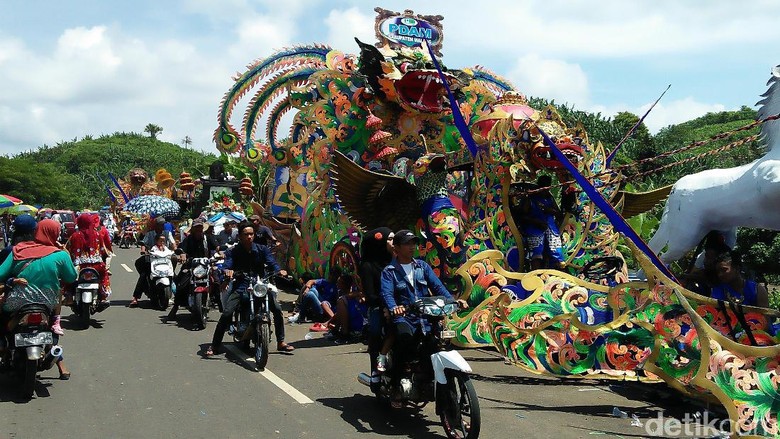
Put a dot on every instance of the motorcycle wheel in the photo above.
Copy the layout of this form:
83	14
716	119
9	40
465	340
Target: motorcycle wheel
84	314
263	335
199	313
459	413
28	376
163	294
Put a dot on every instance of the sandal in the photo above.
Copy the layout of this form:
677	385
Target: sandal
65	376
211	351
284	347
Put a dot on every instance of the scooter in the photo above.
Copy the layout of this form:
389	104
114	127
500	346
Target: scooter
435	373
86	300
160	279
27	346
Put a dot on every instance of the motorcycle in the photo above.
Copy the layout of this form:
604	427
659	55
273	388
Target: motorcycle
128	237
86	301
252	319
27	346
196	297
160	279
436	374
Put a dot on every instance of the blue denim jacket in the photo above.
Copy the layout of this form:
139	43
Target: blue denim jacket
396	289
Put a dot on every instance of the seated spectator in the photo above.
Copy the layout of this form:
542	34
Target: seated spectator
733	286
316	299
350	311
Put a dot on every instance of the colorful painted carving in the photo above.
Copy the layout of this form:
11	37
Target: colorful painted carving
373	143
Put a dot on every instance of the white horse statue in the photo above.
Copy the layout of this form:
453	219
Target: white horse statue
724	199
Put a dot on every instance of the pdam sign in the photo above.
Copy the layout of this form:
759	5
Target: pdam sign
408	30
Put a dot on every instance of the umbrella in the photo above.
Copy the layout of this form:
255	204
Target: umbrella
20	209
153	205
8	201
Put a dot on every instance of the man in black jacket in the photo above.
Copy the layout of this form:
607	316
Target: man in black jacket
247	257
196	245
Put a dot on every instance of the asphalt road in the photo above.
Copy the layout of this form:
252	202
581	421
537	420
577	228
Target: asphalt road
134	376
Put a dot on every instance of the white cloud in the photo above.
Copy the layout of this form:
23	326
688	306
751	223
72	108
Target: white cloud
664	113
344	26
674	112
610	28
550	79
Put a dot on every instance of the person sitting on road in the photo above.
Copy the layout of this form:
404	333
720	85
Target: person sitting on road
350	311
41	265
196	245
733	286
143	264
316	300
247	257
403	282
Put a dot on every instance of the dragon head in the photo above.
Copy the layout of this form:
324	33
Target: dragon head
406	77
137	177
569	141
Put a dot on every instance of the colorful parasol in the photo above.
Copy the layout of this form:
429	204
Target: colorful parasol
8	201
153	205
18	209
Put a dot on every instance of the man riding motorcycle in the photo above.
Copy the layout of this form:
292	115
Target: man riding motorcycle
196	245
403	282
247	257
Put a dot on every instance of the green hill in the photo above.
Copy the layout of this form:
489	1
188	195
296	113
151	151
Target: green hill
75	174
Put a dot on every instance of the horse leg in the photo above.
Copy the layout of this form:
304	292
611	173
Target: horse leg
675	237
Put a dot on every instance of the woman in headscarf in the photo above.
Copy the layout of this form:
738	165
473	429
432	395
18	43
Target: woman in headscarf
86	249
42	266
375	254
105	237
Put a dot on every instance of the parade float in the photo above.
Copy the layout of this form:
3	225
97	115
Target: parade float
389	137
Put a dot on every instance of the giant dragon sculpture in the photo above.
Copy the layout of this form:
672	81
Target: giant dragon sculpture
373	143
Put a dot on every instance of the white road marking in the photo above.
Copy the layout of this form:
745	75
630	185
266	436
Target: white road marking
127	269
272	377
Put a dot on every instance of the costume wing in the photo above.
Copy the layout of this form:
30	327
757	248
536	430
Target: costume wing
635	203
372	199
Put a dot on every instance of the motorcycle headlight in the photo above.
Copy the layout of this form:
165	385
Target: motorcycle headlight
200	272
260	289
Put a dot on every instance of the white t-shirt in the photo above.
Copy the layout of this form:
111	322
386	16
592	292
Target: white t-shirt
409	273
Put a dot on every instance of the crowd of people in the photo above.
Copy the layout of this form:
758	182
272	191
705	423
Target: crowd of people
371	302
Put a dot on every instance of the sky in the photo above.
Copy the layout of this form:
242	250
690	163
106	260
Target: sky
90	67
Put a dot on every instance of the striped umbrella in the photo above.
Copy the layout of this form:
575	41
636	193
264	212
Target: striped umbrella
8	201
18	209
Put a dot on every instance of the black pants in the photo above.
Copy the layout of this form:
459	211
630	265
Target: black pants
142	266
229	307
376	320
403	347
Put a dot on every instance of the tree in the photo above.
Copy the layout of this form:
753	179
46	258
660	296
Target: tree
153	130
186	141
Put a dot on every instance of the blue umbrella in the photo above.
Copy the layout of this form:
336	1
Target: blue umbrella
153	205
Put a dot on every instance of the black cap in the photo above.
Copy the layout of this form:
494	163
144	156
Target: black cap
404	236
